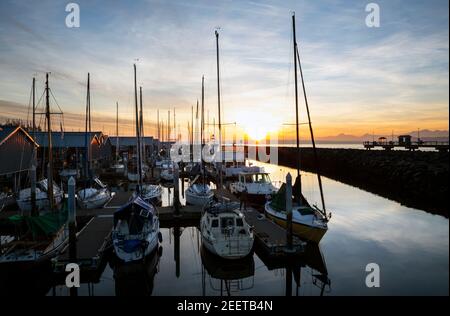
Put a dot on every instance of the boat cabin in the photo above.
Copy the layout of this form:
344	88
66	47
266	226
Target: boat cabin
228	223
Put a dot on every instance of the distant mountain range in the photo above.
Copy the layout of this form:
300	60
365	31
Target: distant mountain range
426	134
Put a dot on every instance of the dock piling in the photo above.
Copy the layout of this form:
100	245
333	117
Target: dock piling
176	191
33	190
72	220
289	210
72	227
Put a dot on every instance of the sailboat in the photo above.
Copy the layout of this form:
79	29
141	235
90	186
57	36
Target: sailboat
200	193
225	232
257	186
136	224
42	196
43	235
24	200
118	166
95	194
308	222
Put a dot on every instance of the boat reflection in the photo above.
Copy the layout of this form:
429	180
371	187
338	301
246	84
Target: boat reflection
226	277
311	258
136	278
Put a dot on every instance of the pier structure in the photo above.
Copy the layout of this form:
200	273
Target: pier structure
411	146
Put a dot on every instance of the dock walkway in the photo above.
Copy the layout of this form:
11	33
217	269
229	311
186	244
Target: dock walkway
271	237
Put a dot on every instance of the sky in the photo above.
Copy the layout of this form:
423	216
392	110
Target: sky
358	80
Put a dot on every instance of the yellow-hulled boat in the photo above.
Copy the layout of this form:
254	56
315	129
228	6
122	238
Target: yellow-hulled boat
311	227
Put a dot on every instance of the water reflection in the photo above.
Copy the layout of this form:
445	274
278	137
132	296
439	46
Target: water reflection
137	278
311	259
226	277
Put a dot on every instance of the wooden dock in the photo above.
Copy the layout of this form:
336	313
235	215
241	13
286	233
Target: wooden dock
270	237
93	241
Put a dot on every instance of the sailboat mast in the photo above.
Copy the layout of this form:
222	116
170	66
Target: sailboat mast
202	132
141	126
192	133
174	125
34	106
88	129
168	126
316	158
50	149
218	105
157	119
202	119
138	152
296	112
117	131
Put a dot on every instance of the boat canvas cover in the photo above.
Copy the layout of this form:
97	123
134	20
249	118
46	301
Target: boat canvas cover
278	201
43	225
222	207
136	205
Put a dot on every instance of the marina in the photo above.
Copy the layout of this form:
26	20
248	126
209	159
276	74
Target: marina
201	160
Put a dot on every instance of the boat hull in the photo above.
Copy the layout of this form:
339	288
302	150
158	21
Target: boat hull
305	232
96	201
220	249
149	240
198	199
41	203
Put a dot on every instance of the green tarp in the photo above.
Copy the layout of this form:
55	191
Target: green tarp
278	202
42	225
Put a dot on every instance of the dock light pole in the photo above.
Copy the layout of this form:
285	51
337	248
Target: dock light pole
289	211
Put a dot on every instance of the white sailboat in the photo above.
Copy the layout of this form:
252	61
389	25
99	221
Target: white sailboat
225	232
166	173
257	186
96	194
136	230
199	194
151	193
42	199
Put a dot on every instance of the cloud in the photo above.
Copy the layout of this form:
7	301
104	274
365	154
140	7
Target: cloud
354	76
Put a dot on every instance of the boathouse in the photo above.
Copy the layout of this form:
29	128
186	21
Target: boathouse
16	150
69	148
127	144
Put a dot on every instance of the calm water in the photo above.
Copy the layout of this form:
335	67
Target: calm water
410	246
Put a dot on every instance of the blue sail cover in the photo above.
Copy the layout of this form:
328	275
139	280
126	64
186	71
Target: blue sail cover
135	206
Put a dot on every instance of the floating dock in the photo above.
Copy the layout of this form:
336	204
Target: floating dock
93	241
271	237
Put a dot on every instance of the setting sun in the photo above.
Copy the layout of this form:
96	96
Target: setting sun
257	125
